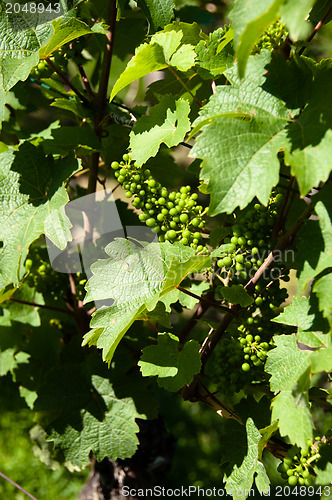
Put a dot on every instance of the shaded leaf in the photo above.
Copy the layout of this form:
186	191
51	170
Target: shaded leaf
175	366
31	188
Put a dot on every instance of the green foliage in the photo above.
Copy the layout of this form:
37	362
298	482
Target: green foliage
174	367
221	255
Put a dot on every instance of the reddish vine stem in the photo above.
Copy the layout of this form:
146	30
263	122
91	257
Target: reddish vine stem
85	82
315	30
17	486
42	306
211	303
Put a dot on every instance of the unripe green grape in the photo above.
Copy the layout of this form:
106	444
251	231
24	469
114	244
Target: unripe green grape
150	222
292	480
227	261
184	218
171	234
245	367
195	222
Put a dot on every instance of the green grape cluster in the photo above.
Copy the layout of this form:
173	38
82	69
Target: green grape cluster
41	276
274	37
42	70
251	241
297	466
240	359
60	59
174	216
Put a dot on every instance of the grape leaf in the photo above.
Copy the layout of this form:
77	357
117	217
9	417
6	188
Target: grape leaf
65	32
215	55
10	359
159	12
147	58
292	410
296	314
241	478
294	15
236	294
312	339
95	412
165	49
81	140
21	312
309	150
290	378
321	360
240	140
249	24
167	122
30	190
21	36
286	363
175	366
136	276
322	288
323	467
315	246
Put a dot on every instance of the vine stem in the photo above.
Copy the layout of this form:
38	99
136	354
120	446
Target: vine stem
315	30
211	303
67	81
42	306
101	98
85	82
17	486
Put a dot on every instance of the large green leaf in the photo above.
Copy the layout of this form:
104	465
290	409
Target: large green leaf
165	49
95	412
174	366
136	276
308	150
31	189
290	378
249	21
243	130
296	314
65	32
322	288
167	122
294	14
314	254
240	481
